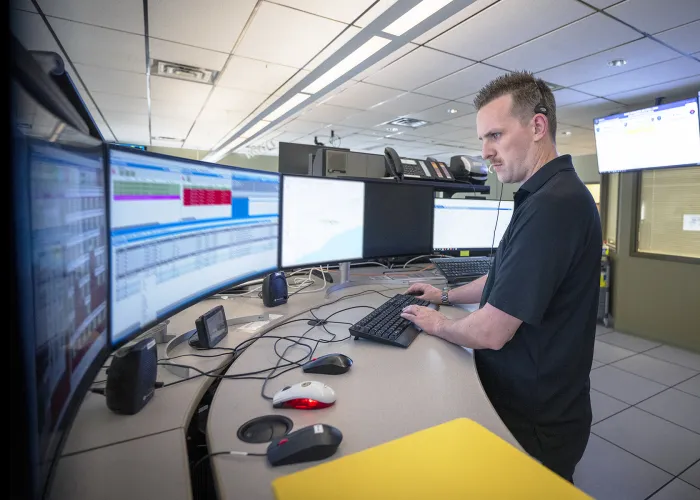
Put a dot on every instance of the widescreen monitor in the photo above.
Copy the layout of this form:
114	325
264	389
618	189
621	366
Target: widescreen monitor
462	224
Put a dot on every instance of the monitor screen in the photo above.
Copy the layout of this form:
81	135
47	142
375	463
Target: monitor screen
667	135
61	237
470	224
322	220
182	230
398	220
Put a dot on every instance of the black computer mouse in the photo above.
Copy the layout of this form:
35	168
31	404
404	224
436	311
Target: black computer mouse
314	442
330	364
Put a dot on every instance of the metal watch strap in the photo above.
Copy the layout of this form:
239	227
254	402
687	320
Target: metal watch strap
445	299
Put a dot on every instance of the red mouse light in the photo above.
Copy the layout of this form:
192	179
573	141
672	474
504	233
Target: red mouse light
305	404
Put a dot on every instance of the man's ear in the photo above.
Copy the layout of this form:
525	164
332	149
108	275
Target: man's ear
540	124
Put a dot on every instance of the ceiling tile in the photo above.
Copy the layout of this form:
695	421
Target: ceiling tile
286	36
31	31
166	143
333	47
377	9
685	38
467	12
363	96
204	135
120	103
408	103
462	135
567	96
112	81
177	128
667	71
174	109
302	127
437	129
235	100
368	119
438	114
602	4
294	80
170	89
357	140
210	24
186	54
251	74
507	24
345	12
22	5
582	114
638	54
566	44
227	119
129	128
125	15
464	82
468	121
325	113
652	16
675	90
386	61
421	66
101	47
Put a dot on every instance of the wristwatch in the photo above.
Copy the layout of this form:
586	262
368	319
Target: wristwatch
445	299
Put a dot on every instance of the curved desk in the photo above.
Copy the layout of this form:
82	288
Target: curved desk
389	392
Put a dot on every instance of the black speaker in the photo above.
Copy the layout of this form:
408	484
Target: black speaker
274	289
131	378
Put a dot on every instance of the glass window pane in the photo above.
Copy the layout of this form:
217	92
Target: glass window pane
611	209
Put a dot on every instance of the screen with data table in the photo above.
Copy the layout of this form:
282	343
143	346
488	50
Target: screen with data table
469	224
322	220
182	230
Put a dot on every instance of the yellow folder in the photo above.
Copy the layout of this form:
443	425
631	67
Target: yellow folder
456	460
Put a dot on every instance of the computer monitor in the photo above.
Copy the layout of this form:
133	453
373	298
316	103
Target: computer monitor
322	220
398	219
182	230
59	284
462	224
667	135
293	158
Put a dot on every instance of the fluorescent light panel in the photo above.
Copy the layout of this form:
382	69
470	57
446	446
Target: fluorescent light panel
417	14
366	50
216	156
296	99
255	129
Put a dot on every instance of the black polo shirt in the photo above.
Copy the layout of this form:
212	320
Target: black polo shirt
546	273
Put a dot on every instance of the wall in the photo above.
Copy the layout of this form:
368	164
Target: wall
652	298
587	168
268	163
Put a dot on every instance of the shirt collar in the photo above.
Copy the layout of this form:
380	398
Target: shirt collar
541	177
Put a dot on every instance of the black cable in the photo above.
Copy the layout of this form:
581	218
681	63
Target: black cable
267	379
240	453
498	212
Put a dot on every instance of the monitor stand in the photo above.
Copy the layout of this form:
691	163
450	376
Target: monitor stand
346	281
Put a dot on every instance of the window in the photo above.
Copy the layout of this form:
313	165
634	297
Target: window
669	212
611	205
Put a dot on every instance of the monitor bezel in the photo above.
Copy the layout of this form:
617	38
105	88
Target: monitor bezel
281	216
477	251
656	167
189	303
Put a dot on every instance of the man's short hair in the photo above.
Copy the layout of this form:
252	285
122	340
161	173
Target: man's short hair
528	94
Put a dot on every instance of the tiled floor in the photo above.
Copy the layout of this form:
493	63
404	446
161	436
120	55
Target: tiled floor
645	439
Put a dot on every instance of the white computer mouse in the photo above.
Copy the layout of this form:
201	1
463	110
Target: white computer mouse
309	395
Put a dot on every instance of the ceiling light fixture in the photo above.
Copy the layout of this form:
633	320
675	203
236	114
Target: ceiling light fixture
364	51
416	15
392	129
283	108
257	127
216	156
452	111
616	63
566	132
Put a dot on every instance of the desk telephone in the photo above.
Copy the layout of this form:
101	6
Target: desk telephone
407	168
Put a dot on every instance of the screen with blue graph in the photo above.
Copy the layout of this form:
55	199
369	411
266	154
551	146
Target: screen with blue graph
182	230
469	224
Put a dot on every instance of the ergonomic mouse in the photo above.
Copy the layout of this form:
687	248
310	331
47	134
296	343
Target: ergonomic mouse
314	442
309	395
330	364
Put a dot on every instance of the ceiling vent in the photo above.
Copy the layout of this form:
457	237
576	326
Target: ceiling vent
408	122
183	72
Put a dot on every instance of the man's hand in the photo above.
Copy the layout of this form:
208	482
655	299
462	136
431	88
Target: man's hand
425	292
427	319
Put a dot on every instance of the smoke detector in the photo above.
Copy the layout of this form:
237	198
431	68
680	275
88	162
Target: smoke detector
183	72
408	122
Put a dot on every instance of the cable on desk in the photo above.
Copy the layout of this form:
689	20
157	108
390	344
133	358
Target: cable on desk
423	256
269	375
240	453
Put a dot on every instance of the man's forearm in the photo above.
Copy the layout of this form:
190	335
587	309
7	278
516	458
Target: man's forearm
466	332
469	293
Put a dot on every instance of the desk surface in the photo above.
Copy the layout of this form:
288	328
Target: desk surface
389	392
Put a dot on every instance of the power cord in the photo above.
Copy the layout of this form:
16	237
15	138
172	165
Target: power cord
240	453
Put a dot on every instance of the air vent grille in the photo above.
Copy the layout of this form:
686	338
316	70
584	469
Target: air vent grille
183	72
408	122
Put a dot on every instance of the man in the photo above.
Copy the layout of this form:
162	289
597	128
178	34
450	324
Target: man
534	332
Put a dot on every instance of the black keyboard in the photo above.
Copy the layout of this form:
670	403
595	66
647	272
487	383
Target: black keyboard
461	269
386	325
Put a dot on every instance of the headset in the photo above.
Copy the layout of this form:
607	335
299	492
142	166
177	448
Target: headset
540	107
